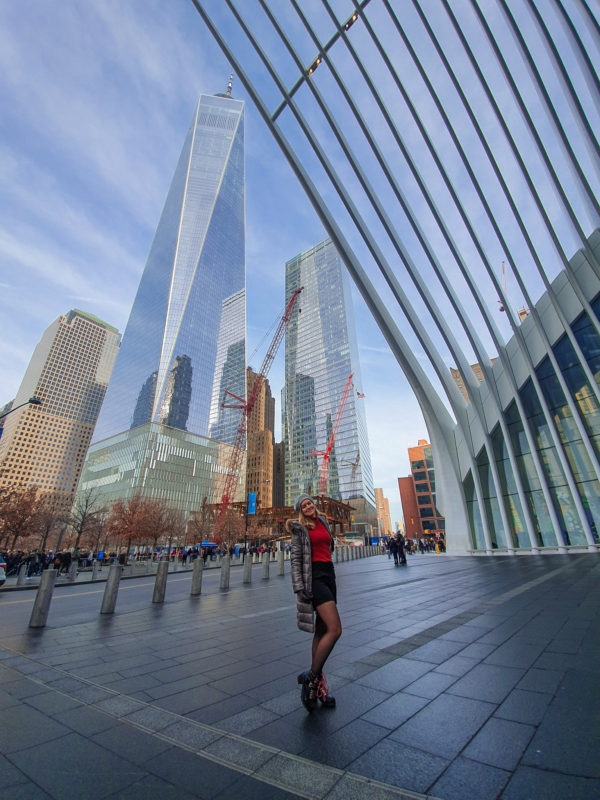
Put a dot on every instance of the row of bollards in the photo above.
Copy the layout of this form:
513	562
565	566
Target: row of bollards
41	606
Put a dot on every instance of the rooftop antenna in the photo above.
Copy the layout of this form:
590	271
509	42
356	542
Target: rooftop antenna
228	92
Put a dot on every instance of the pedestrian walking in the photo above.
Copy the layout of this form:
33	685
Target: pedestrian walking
393	546
401	551
313	581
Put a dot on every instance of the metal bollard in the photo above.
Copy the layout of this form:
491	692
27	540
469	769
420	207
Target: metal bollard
160	584
22	575
95	569
41	606
265	576
280	556
197	577
109	601
72	576
225	570
247	577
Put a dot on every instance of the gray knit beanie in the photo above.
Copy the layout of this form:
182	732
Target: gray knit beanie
300	499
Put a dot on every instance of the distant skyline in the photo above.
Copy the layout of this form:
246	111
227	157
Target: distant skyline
96	102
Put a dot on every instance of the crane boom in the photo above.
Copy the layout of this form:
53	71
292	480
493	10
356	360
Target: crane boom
327	453
246	406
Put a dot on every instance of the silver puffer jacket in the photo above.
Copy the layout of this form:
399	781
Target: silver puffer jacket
301	566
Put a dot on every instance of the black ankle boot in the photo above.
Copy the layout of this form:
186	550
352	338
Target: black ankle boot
309	692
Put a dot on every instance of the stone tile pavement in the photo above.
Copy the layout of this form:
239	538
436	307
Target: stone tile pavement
455	678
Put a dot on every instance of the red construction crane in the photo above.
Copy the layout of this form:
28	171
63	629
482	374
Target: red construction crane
246	406
327	453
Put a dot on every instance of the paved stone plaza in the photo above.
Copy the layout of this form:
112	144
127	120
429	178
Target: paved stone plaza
456	678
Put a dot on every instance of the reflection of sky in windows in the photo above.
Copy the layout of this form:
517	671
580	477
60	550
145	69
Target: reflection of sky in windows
172	353
320	354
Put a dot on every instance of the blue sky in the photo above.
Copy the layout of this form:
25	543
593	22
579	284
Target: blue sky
97	98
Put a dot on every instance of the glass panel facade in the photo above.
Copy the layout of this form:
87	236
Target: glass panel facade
580	464
184	344
178	468
320	353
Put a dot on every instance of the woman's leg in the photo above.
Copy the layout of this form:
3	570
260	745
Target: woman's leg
328	629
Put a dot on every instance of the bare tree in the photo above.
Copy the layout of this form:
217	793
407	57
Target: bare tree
174	525
201	522
83	513
53	512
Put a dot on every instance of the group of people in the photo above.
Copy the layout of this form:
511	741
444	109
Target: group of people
397	546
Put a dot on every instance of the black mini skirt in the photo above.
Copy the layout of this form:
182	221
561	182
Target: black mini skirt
323	583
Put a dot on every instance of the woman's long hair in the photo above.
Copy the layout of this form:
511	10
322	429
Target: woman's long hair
308	522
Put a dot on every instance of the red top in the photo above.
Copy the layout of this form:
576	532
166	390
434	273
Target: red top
320	543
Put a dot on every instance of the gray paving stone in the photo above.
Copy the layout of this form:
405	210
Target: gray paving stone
9	774
241	752
445	725
132	744
153	788
526	707
86	720
155	719
297	774
399	765
500	743
22	727
52	702
353	787
430	685
487	682
340	748
395	710
248	720
191	734
247	788
190	700
468	780
63	768
436	651
396	675
191	772
540	784
541	680
25	791
119	705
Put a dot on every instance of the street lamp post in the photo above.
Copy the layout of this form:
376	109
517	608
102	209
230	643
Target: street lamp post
33	401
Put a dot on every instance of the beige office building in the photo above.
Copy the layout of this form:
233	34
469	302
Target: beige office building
384	519
45	445
259	464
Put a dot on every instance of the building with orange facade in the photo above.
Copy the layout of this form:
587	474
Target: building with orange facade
384	519
45	445
410	510
421	515
260	440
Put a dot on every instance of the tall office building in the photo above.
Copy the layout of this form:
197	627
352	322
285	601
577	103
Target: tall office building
384	520
321	352
259	443
163	431
423	476
44	445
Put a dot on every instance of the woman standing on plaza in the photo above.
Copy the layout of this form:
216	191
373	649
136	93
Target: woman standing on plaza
313	581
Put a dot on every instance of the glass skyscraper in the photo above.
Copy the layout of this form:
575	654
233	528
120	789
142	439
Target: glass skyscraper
321	352
184	344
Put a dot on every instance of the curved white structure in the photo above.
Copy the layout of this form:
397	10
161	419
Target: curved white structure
437	140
